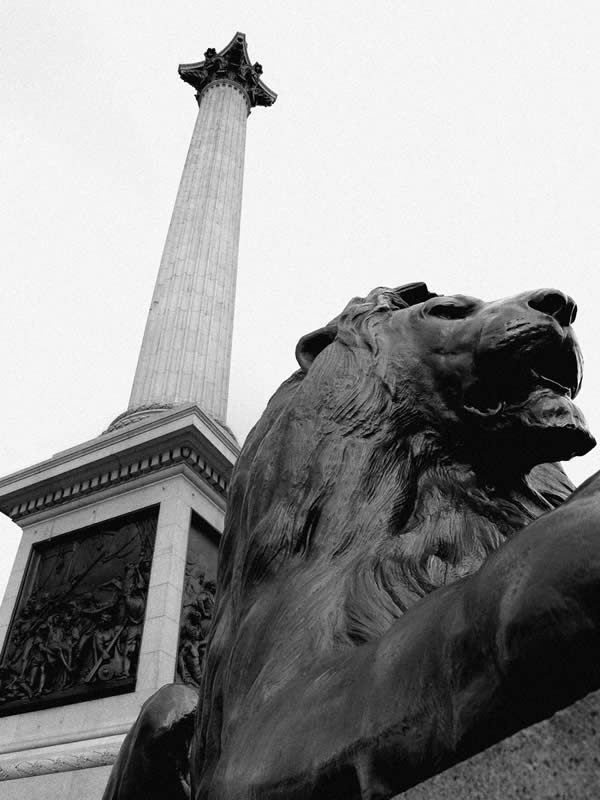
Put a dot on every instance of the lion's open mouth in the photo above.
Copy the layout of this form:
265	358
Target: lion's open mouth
507	381
544	380
527	398
558	369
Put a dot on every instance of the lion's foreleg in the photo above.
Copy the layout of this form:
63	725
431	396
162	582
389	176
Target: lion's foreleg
153	760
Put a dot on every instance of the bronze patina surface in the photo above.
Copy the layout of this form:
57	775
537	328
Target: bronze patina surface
406	575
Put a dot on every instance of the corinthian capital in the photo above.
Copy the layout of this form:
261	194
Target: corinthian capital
232	64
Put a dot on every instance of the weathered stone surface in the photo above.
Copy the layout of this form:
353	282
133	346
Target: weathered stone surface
556	759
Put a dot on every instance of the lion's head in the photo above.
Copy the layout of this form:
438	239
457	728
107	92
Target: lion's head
491	378
413	440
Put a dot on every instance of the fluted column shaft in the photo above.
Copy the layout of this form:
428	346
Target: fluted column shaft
186	349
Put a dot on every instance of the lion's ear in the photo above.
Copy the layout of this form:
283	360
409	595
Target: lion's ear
309	346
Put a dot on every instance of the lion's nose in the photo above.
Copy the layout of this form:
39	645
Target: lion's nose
555	304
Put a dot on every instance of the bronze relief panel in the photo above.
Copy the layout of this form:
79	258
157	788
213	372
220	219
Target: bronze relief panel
198	601
77	626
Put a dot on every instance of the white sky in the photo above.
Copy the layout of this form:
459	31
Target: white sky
455	143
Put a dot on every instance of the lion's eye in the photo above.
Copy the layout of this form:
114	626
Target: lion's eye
448	311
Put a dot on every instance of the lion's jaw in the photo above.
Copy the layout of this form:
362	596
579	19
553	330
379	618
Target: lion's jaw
497	379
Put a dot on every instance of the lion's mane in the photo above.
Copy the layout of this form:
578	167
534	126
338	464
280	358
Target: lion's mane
345	508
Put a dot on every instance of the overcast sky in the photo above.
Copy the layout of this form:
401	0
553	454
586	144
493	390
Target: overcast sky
451	142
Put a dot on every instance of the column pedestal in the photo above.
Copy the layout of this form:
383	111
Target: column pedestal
177	467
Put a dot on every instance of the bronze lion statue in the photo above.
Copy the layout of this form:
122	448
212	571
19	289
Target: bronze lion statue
405	575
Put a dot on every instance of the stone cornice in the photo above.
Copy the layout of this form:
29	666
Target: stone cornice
71	490
184	438
233	65
116	439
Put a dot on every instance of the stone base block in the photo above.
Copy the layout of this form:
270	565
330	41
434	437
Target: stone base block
556	758
82	784
70	771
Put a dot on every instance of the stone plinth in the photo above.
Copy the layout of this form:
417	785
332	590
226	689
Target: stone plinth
556	759
179	465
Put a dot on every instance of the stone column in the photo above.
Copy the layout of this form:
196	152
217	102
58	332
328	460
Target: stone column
186	349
